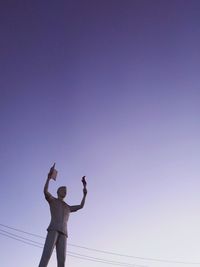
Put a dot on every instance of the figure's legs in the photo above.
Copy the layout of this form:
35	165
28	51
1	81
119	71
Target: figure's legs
61	247
49	245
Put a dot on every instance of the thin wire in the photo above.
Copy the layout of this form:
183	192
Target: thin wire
89	259
72	254
21	231
136	257
110	252
17	236
20	240
109	261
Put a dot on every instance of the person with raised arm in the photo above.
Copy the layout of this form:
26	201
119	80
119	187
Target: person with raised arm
57	229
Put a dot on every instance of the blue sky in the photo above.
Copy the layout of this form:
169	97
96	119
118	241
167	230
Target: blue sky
110	90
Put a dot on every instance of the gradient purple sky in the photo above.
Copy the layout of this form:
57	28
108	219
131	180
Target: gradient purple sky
108	89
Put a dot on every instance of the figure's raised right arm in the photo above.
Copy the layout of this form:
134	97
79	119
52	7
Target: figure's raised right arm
48	196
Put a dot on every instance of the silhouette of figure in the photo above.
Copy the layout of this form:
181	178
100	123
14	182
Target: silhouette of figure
57	230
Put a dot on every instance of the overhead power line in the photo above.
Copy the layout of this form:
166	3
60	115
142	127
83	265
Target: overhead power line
110	252
20	240
21	231
69	253
111	261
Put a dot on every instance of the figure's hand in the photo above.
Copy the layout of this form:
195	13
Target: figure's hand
84	191
51	171
84	181
84	186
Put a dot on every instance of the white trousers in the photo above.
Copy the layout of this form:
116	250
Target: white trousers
54	238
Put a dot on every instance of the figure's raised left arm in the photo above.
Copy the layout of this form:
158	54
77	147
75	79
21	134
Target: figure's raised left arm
78	207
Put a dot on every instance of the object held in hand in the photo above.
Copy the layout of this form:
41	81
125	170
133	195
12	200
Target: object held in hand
84	181
53	172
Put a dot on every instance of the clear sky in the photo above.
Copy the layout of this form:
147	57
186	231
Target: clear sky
109	89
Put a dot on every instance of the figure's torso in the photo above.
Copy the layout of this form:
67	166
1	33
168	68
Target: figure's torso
59	215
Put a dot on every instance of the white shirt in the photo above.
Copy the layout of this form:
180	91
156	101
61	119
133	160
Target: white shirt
59	214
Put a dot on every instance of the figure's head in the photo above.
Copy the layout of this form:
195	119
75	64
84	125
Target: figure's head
62	191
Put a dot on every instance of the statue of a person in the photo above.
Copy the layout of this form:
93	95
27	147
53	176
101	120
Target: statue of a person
57	230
